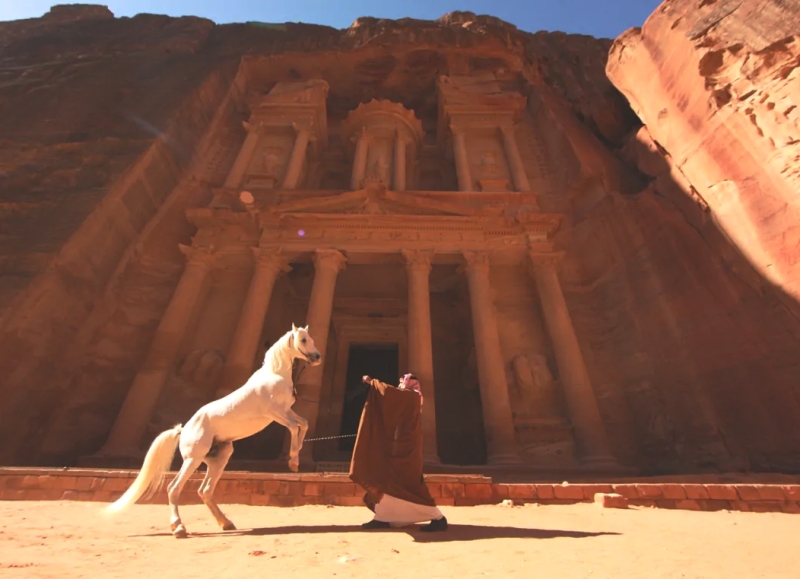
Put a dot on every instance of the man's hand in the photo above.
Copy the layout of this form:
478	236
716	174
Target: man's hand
366	379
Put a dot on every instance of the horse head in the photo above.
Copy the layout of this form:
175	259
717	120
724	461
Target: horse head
303	344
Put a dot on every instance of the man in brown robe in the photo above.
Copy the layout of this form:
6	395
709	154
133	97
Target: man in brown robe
387	459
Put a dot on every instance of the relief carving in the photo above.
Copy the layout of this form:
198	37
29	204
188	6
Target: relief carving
535	386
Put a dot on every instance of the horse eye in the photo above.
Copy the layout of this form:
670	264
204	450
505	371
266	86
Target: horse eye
303	341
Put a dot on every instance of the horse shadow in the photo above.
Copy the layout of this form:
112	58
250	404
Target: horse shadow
454	533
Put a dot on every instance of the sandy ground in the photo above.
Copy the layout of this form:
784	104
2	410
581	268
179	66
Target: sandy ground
73	539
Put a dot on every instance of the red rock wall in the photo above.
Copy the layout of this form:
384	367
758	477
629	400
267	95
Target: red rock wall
698	274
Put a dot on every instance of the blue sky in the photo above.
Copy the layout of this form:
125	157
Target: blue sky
602	18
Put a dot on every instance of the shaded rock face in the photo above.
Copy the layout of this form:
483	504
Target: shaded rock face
113	128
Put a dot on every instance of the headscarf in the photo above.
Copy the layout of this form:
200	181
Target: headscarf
410	382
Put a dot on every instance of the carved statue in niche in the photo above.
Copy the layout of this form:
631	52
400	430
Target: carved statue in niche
202	369
489	164
378	168
535	385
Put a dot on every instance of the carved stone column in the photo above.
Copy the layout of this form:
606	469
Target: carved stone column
360	160
590	433
327	263
514	159
400	162
498	421
297	157
134	416
234	179
270	264
462	159
420	344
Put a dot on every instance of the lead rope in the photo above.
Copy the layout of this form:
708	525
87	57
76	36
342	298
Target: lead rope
298	397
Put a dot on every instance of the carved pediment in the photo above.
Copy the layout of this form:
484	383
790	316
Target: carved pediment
375	202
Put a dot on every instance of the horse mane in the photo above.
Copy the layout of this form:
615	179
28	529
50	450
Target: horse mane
277	358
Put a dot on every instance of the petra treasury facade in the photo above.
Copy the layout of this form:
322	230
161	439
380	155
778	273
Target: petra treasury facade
579	285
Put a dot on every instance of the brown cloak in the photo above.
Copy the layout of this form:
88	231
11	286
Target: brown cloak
387	458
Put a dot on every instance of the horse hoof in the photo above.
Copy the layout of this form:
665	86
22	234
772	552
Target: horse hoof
180	532
294	466
228	526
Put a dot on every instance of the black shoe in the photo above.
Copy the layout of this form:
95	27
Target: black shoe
435	526
373	524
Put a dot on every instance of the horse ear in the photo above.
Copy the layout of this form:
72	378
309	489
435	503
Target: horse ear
306	328
294	328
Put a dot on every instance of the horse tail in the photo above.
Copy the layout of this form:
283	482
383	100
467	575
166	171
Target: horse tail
156	463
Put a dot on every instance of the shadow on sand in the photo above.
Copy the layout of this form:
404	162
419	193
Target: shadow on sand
454	533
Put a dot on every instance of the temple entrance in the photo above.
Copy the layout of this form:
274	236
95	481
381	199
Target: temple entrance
381	361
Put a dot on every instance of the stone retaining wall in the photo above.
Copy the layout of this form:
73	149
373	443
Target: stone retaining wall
290	490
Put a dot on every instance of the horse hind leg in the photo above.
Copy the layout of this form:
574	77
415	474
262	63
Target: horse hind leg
174	490
302	423
216	466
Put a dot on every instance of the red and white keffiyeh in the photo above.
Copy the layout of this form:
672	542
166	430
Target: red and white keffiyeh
409	382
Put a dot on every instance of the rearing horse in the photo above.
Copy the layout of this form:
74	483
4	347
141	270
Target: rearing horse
208	436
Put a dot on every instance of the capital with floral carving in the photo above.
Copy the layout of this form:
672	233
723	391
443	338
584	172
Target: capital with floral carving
418	259
477	261
196	255
329	259
271	258
548	260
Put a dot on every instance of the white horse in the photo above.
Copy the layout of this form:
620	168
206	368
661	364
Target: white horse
208	436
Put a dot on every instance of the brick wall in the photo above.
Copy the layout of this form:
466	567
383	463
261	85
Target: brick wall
290	490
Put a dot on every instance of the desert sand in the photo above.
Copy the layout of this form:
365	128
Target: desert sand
74	539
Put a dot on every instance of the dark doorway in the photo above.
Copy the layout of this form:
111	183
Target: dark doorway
380	361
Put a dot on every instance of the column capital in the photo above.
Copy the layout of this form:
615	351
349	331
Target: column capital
508	130
198	255
548	260
457	130
418	259
360	134
477	261
301	128
271	258
332	259
253	126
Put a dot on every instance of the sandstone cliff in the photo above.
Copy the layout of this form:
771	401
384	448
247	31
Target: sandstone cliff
113	127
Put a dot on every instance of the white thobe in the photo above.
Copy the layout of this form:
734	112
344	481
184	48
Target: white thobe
400	513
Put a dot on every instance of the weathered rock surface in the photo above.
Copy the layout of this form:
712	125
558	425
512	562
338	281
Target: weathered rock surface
717	84
112	128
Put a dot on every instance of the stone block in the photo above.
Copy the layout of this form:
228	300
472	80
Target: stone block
650	491
766	506
724	492
272	487
339	489
112	484
545	492
688	505
467	502
771	492
695	491
743	506
291	488
673	491
665	503
343	501
435	489
748	493
313	489
73	495
284	500
568	492
259	500
792	507
454	490
445	502
478	491
611	500
87	483
791	492
626	490
715	504
589	490
522	491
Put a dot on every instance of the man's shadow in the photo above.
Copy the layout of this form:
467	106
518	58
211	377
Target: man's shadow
455	532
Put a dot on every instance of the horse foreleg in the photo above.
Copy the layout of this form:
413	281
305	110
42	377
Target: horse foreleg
303	424
294	430
216	466
174	493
